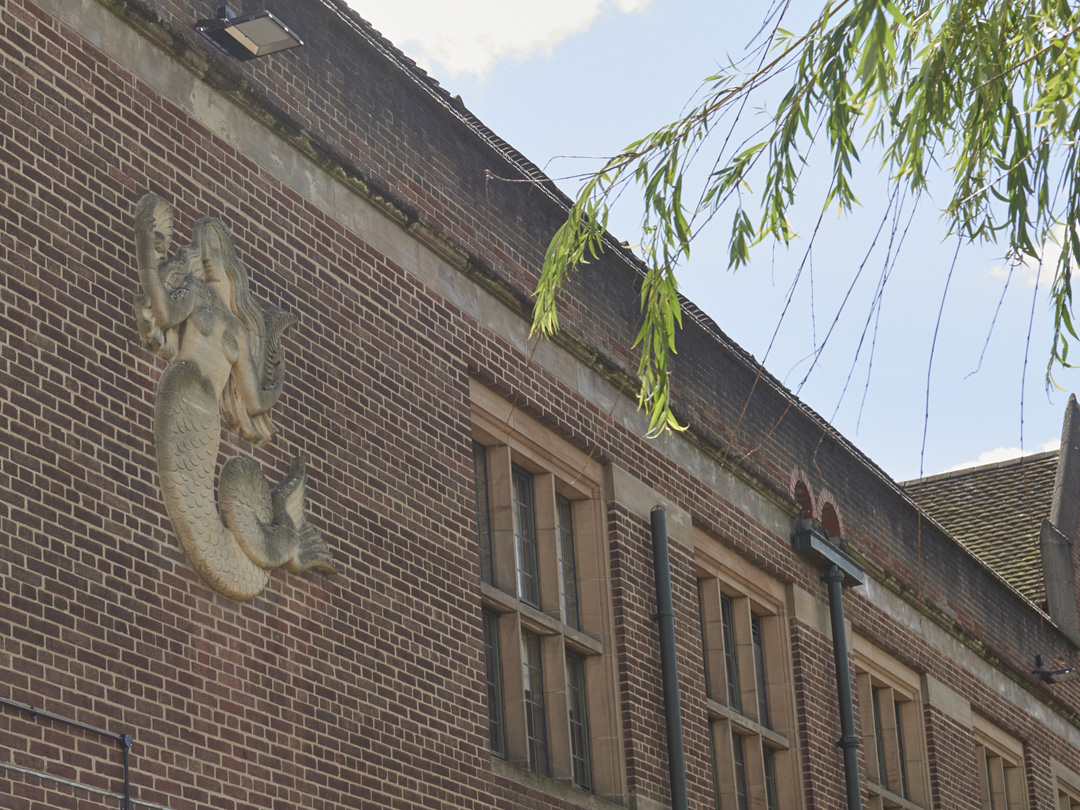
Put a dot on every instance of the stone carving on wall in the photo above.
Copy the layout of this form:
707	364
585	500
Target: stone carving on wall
224	358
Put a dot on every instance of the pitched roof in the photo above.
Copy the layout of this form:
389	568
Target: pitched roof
996	511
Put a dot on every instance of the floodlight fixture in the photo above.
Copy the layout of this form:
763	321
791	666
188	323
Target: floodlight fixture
249	35
1054	675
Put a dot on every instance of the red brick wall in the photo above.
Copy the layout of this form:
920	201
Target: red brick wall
366	689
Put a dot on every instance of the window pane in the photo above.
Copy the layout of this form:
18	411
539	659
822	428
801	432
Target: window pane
771	800
900	752
536	726
579	725
568	562
730	662
483	514
525	537
875	697
742	797
493	669
759	671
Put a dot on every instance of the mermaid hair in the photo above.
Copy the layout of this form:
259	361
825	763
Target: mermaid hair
254	427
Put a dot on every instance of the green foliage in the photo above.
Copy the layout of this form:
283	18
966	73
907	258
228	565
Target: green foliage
987	91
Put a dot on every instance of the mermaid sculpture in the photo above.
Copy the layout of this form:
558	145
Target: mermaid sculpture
197	314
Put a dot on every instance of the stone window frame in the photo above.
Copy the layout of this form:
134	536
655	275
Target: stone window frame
514	441
999	759
1066	787
770	746
906	782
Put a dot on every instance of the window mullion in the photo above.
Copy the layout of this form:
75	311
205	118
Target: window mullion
723	763
755	772
517	744
712	639
591	564
869	728
996	773
744	657
778	695
547	546
983	777
909	736
501	508
890	735
556	700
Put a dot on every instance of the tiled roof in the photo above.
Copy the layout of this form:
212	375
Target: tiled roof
996	512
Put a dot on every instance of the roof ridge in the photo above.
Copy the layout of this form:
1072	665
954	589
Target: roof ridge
1027	458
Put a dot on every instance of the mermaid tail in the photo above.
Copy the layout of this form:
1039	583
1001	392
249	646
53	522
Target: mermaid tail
258	529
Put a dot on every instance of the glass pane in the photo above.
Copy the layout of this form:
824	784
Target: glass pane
742	797
771	800
875	700
759	671
493	669
568	562
900	752
483	514
525	537
730	662
536	725
988	763
579	725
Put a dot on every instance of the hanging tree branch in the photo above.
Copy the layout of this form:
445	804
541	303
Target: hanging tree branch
987	91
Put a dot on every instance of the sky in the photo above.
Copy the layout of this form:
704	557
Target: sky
568	81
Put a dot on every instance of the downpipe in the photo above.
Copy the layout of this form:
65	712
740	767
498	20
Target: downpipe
849	740
813	544
665	617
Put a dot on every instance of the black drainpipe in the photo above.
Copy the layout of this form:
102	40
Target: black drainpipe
812	542
665	615
123	739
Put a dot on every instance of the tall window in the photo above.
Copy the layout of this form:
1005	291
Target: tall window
546	601
999	759
568	570
1068	787
535	719
748	687
579	720
528	589
890	712
493	670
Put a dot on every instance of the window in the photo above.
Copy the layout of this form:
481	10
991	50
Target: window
493	671
999	759
545	597
1068	787
890	711
745	650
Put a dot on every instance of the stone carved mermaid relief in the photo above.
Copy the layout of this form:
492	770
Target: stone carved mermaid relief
224	357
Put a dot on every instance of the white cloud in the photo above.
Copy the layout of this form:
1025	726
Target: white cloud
471	36
1028	270
1004	454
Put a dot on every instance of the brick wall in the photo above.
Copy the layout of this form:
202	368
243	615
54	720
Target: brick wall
366	689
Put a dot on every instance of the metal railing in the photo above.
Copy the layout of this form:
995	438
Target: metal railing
124	740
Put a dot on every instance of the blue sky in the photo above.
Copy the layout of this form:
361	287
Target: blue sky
563	80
